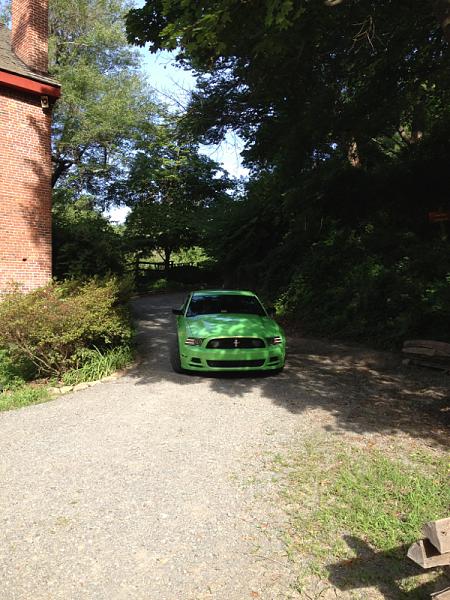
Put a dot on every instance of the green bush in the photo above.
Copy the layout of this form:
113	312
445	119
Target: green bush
346	286
53	326
85	243
13	374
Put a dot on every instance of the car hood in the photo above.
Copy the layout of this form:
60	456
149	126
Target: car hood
226	325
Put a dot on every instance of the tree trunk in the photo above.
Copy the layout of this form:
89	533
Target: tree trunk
418	124
353	154
167	255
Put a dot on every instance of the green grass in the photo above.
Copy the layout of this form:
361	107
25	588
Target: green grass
353	508
23	396
95	366
98	364
163	285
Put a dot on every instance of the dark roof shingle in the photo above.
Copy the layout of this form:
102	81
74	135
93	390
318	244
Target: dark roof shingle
9	61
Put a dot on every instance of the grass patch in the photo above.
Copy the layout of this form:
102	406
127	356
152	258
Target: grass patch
162	285
97	364
353	512
23	396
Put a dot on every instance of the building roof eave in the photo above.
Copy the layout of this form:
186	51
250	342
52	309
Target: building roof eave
26	84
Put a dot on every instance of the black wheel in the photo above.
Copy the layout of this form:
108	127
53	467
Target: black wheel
175	360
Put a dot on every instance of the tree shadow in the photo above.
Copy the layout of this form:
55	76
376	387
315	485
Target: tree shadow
352	389
381	570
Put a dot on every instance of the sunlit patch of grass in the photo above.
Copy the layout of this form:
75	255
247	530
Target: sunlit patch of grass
360	507
23	396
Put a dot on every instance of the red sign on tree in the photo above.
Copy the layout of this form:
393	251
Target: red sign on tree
438	217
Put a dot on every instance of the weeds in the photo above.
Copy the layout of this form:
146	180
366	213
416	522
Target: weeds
97	364
23	396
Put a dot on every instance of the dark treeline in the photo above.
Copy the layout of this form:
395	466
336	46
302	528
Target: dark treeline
344	107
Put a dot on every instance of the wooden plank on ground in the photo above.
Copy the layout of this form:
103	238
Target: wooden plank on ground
438	532
425	554
421	351
443	348
442	595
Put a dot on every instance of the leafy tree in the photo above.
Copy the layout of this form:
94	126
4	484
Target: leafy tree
303	81
170	187
105	99
344	106
84	241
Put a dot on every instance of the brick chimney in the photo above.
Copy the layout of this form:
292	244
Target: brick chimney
29	39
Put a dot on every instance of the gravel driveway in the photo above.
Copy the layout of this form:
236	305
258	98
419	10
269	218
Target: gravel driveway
157	486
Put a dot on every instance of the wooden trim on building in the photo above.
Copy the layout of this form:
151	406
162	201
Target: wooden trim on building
25	84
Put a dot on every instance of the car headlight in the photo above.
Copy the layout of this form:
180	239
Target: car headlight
191	341
275	341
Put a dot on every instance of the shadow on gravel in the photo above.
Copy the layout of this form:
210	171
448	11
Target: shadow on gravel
365	391
382	570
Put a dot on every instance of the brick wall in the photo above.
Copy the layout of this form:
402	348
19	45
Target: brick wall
30	33
25	190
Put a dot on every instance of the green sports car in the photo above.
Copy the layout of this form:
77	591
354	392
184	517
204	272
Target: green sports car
226	331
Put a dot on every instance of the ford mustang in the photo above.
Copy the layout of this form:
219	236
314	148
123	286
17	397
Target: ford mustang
226	331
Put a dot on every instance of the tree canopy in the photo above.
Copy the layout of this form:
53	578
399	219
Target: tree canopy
170	188
106	99
344	108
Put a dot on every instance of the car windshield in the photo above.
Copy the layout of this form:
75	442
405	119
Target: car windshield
224	303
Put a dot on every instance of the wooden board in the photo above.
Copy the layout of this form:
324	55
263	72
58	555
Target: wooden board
420	351
438	532
442	595
422	362
425	554
443	348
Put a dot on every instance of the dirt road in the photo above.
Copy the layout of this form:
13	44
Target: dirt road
158	486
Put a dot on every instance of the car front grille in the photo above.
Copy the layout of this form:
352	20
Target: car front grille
237	343
234	364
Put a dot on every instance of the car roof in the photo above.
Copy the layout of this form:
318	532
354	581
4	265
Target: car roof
222	293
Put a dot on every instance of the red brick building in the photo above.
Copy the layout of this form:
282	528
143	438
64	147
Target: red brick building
27	95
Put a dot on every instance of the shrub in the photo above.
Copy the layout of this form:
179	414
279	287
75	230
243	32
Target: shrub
52	327
13	374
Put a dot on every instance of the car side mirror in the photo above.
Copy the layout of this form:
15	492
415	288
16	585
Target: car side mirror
177	311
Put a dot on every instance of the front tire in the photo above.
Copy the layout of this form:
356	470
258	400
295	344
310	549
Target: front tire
175	359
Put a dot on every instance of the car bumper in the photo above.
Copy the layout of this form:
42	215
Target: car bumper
195	358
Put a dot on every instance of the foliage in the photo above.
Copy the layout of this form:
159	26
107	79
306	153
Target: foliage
97	364
344	111
5	11
53	326
170	187
105	100
361	69
193	254
84	242
13	373
345	288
